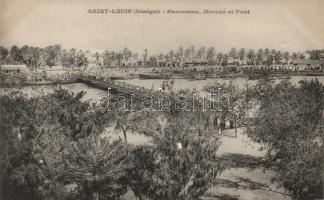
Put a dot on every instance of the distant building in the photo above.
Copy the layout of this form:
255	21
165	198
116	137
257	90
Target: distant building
307	56
130	62
195	63
321	56
95	58
236	61
54	71
20	70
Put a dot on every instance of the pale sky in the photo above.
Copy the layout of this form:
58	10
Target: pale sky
294	25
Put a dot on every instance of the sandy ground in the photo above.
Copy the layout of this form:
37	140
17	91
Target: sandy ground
243	181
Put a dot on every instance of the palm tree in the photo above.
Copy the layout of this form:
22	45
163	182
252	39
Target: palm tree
251	56
219	58
98	167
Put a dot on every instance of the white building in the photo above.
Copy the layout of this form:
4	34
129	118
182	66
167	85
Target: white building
95	58
20	70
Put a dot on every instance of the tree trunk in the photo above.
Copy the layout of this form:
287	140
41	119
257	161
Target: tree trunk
96	196
235	126
125	137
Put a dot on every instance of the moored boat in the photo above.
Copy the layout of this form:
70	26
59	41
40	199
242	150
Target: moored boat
198	76
315	74
154	76
122	77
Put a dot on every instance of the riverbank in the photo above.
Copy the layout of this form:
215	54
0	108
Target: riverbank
102	80
150	84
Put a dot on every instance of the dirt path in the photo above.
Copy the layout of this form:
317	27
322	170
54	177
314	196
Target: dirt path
245	178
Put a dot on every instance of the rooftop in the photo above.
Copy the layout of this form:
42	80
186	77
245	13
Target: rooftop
14	67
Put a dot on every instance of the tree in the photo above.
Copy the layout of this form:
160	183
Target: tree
3	54
235	109
267	55
259	56
73	53
187	54
286	56
294	56
171	55
30	56
278	56
224	60
67	58
288	122
180	52
126	54
181	163
211	56
80	59
15	55
272	57
220	58
36	133
98	167
153	61
241	54
52	55
251	56
233	53
145	57
200	53
21	173
106	58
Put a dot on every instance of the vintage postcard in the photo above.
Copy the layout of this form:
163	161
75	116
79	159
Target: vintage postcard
161	100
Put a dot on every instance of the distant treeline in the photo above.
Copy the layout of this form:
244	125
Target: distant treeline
316	54
36	57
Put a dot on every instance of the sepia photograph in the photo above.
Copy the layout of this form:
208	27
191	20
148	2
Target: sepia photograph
161	100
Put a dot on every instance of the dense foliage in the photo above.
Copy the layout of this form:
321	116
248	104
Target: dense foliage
36	57
54	147
168	171
289	122
41	139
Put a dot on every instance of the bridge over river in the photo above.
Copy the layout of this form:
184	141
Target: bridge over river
121	88
117	87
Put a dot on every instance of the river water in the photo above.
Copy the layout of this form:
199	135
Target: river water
200	84
179	84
